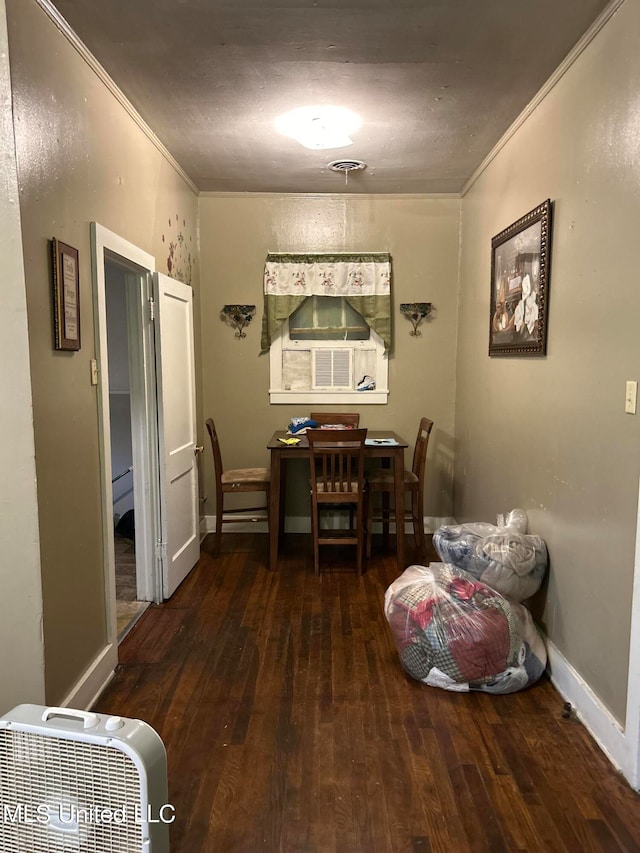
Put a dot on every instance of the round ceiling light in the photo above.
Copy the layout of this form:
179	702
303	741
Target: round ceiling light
319	127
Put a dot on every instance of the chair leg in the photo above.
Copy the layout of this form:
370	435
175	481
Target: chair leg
315	535
369	516
417	514
219	513
386	513
268	497
360	521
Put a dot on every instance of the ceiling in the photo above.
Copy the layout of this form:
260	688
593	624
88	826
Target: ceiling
435	82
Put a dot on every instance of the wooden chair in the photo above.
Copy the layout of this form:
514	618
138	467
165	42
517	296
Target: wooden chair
337	480
348	419
233	481
380	481
351	419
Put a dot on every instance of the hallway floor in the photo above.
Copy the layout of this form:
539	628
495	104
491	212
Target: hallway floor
291	728
128	608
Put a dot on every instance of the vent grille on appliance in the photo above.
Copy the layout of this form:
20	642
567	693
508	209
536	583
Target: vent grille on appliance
53	793
332	368
78	781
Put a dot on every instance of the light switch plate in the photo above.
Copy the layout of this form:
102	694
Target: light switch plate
630	398
94	371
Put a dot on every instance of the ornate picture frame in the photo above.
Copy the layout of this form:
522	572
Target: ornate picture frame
66	296
520	260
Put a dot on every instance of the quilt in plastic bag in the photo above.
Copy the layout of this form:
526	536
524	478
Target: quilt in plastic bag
455	632
505	557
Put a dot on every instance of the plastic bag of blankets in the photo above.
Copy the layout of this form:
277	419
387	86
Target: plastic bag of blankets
504	556
455	632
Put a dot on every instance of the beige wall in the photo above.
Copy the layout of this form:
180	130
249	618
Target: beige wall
422	236
21	646
551	435
81	158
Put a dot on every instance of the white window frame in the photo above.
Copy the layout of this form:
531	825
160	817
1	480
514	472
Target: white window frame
282	343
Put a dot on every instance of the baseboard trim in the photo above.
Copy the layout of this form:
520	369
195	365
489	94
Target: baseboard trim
208	525
302	524
90	685
596	718
432	523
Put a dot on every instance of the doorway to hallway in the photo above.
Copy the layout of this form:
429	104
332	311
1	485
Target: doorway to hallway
129	604
147	420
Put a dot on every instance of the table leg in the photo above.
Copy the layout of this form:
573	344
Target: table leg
274	510
398	482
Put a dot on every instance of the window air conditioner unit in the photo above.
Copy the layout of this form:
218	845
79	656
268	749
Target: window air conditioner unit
83	782
332	368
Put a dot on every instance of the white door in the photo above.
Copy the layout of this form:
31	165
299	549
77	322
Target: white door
179	548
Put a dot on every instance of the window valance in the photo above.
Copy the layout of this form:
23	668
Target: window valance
364	279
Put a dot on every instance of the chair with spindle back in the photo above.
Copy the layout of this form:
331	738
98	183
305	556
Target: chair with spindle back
381	482
337	480
350	419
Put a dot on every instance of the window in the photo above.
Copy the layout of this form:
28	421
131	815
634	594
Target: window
327	327
327	318
324	351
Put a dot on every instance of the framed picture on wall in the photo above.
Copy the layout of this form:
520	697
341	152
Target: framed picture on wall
520	258
66	296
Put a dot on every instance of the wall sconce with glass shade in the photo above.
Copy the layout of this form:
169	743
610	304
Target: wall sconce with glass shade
238	316
415	312
319	127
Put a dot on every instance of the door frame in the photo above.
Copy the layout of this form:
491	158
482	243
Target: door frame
109	247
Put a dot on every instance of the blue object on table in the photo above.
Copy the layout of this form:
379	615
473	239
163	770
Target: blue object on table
298	424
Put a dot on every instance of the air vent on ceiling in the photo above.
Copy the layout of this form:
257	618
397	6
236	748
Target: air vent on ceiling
347	166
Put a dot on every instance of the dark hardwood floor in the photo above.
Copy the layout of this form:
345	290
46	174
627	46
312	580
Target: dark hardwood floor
289	726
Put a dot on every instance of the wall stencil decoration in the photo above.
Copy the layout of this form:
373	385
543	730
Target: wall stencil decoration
520	257
179	260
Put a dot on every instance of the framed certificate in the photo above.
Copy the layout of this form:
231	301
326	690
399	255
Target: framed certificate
66	296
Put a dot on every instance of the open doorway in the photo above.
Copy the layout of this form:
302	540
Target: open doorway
127	406
121	361
146	398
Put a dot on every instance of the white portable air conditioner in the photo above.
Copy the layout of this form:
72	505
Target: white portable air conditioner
83	782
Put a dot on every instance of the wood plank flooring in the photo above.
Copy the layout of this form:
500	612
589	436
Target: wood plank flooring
290	726
128	608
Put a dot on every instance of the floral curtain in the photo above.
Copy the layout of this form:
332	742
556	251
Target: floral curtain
363	279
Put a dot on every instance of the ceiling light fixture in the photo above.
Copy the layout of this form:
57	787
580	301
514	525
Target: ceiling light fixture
319	127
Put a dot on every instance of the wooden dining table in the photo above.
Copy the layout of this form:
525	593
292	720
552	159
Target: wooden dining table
381	444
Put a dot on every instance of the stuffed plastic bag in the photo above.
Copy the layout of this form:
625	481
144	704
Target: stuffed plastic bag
504	556
455	632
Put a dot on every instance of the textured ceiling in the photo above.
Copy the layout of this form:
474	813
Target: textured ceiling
436	82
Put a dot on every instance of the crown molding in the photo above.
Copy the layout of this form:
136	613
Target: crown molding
557	75
54	15
350	196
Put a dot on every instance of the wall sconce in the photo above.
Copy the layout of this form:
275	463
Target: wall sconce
416	313
238	316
